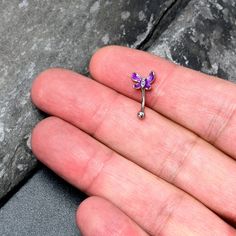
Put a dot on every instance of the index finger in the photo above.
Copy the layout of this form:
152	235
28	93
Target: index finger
202	103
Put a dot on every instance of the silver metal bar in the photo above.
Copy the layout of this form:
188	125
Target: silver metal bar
141	114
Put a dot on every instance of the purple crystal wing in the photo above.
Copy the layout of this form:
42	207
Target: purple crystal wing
135	77
137	85
147	85
151	77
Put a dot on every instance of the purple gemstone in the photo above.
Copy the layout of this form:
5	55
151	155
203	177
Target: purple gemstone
136	78
143	83
147	85
151	77
137	86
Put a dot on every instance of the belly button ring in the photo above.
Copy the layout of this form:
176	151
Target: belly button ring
143	84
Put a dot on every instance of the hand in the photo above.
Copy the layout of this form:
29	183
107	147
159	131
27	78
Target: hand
173	173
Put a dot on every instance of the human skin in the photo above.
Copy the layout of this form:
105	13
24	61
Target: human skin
173	173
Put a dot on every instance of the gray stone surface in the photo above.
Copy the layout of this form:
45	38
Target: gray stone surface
35	35
203	37
45	205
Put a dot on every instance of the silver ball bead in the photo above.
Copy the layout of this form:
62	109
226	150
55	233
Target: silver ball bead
141	115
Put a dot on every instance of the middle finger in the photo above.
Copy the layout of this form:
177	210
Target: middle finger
157	144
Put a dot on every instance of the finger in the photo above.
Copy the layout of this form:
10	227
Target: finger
158	145
202	104
155	205
97	216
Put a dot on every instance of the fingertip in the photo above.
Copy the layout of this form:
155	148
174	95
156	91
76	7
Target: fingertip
87	218
41	132
98	216
85	209
45	82
98	61
38	84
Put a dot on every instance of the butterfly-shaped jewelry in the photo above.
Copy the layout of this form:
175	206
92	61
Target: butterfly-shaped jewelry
143	84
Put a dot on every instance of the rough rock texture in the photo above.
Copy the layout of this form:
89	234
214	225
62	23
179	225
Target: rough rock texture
46	205
35	35
203	37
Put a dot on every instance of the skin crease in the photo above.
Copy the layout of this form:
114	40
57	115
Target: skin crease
131	181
